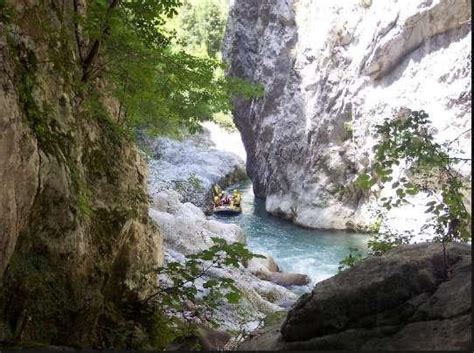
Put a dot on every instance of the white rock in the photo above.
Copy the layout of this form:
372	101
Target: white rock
333	66
267	264
192	166
186	230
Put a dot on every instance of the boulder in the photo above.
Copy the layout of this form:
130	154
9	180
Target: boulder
267	264
404	300
268	270
288	279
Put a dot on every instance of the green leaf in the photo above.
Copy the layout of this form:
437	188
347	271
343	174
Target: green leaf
233	297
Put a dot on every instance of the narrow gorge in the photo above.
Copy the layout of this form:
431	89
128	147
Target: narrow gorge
343	127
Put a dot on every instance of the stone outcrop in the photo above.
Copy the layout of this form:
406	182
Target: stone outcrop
332	70
74	228
257	265
185	227
403	300
268	270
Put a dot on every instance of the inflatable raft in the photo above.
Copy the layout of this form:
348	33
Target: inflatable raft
227	210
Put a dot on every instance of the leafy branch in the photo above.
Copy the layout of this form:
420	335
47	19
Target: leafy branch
179	282
407	142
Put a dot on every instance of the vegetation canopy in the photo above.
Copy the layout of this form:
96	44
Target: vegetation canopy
161	87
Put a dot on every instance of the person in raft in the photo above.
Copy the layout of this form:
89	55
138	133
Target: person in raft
218	194
236	198
225	201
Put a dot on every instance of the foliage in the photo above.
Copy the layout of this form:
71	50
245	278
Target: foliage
406	142
408	139
383	242
5	12
180	281
161	88
349	129
192	185
225	121
127	49
195	182
199	26
145	17
350	260
374	228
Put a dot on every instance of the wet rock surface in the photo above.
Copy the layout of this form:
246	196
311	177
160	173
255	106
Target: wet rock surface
403	300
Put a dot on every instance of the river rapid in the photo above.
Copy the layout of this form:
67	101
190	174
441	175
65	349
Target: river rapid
313	252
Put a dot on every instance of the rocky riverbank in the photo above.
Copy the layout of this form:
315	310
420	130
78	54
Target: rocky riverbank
186	230
404	300
181	175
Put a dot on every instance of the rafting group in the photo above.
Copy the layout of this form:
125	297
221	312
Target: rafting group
225	203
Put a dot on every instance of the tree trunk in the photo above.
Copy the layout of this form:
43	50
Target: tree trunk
91	57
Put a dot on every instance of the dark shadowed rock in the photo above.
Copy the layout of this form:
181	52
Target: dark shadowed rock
204	338
400	301
213	340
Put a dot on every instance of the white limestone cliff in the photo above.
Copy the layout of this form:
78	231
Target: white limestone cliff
332	70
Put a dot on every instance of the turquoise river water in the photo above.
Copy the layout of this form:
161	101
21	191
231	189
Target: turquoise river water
313	252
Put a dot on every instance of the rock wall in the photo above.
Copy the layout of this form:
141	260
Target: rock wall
332	70
74	228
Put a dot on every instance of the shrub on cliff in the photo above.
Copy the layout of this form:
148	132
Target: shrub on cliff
425	166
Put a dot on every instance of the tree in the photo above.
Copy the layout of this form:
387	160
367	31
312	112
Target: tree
161	88
200	26
427	166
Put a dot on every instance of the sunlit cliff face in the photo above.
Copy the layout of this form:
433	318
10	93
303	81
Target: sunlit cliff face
332	70
225	140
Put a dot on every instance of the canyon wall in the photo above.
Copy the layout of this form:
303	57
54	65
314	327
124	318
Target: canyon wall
75	235
332	70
